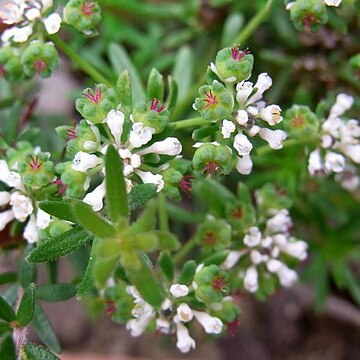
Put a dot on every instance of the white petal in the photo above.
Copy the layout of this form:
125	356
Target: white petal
163	326
232	259
4	198
32	14
287	277
251	279
211	324
140	135
271	114
334	162
149	178
42	219
333	2
185	314
178	290
21	35
83	161
21	206
184	341
242	144
352	151
115	120
243	91
96	197
31	232
244	165
279	223
315	163
274	138
242	117
52	23
253	237
227	128
169	146
262	84
342	104
5	218
297	249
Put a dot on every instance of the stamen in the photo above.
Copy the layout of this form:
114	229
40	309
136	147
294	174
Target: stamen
211	168
186	185
210	99
155	105
308	20
219	283
94	96
34	163
298	121
62	187
237	213
39	66
238	54
231	327
88	8
210	238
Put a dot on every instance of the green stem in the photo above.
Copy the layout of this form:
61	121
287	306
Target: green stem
7	102
254	23
181	254
76	58
183	124
163	214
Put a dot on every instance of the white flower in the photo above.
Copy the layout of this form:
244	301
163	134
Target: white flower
352	152
131	161
242	117
334	162
11	11
251	279
184	313
149	178
287	277
83	161
262	84
243	91
281	222
115	120
31	232
211	324
227	128
244	165
271	114
242	144
274	138
43	219
342	104
5	218
184	341
178	290
96	197
163	325
10	178
140	134
21	206
315	164
297	249
52	23
232	258
169	146
253	237
332	2
4	198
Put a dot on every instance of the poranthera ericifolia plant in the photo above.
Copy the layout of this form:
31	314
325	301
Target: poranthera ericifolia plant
113	193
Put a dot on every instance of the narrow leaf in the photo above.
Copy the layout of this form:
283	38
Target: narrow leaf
59	209
172	93
87	282
123	92
8	277
187	273
55	292
140	195
27	272
92	221
155	86
4	328
44	329
166	265
6	311
145	222
37	352
60	245
7	348
183	71
116	195
167	240
26	309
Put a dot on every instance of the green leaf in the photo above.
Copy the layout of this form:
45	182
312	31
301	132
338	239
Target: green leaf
55	292
26	309
87	282
166	265
172	93
6	311
123	92
217	258
27	271
36	352
155	85
4	328
204	132
167	240
121	61
11	122
60	209
116	195
7	348
92	221
140	195
60	245
145	281
8	277
145	222
231	29
187	273
183	71
44	329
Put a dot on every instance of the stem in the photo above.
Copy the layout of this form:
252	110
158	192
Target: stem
76	58
183	124
163	214
254	23
181	254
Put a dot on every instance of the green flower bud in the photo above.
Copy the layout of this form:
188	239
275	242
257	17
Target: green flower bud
268	199
10	64
40	58
301	122
95	104
83	15
228	311
211	284
75	181
215	102
151	114
308	15
118	303
83	137
55	228
211	158
213	235
233	65
37	171
240	215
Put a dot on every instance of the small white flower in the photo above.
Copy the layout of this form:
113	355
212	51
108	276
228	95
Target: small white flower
271	114
253	237
4	198
169	146
227	128
11	12
242	144
297	249
352	152
315	164
31	232
287	277
256	258
262	84
244	165
232	258
243	91
178	290
274	138
251	279
211	324
115	121
242	117
5	218
96	197
342	104
149	178
184	341
332	2
281	222
10	178
43	219
83	161
184	313
21	206
52	23
140	135
334	162
163	325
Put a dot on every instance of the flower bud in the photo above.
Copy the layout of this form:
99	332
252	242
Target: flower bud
215	102
40	58
233	65
83	15
301	122
10	64
95	104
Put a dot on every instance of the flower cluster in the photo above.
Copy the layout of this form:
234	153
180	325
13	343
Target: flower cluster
339	151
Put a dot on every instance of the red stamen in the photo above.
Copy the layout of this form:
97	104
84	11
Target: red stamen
110	308
88	8
210	239
2	70
155	105
231	326
34	163
238	54
298	121
62	187
186	185
237	213
94	96
219	283
308	20
211	168
39	66
210	99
